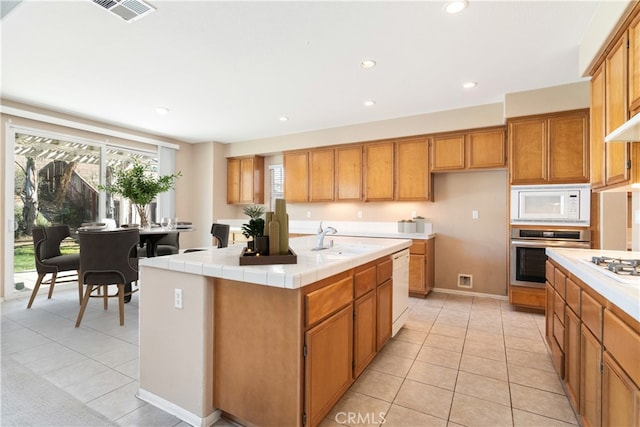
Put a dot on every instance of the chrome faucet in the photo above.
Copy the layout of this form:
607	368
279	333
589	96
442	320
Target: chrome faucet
321	234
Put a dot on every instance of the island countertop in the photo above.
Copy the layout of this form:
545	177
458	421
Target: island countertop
625	296
346	253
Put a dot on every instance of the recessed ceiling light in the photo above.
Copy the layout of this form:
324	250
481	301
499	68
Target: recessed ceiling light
369	103
162	111
368	63
469	85
284	118
456	6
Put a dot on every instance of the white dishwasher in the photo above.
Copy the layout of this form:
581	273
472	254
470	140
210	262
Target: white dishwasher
400	308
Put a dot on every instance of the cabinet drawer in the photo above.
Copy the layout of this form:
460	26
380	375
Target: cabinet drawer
573	296
559	282
623	343
419	247
385	270
591	315
558	332
365	279
558	307
324	301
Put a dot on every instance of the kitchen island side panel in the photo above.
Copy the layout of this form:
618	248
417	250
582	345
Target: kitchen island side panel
176	345
258	353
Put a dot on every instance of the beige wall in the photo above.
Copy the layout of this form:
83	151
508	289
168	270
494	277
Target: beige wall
558	98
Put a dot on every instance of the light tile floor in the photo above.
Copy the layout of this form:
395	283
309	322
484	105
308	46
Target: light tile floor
458	361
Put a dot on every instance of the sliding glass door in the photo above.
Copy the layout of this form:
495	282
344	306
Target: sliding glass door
54	179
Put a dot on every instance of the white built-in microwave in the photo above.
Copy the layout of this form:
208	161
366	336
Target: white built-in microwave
551	204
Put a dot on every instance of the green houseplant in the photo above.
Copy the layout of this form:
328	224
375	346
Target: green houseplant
255	227
140	186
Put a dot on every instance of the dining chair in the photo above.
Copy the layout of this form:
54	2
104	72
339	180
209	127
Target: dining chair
221	233
49	259
108	258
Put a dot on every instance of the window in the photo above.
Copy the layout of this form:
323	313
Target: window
276	185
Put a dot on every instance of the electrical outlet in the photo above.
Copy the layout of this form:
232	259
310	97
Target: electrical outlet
474	214
177	299
359	214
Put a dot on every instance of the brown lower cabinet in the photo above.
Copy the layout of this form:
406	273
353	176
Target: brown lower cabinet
286	356
421	267
595	349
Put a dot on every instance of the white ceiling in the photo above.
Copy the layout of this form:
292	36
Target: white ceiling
228	70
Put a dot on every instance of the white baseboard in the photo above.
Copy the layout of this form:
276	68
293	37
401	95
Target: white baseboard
186	416
470	294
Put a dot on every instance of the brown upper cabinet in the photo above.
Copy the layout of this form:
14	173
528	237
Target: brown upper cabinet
480	149
348	165
549	148
378	171
615	97
321	175
296	176
413	180
245	180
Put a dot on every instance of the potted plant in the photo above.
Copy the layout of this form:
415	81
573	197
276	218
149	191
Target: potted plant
140	186
255	227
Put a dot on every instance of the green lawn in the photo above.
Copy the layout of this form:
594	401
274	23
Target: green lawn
23	259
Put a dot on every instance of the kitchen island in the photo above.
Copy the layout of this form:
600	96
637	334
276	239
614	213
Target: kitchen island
593	331
265	345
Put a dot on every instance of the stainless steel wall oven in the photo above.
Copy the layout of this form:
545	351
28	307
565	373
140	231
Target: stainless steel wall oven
527	254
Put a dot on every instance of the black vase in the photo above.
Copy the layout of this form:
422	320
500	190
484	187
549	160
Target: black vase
261	244
250	245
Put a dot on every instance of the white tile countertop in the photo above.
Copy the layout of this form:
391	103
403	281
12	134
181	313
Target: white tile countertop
382	229
346	253
624	292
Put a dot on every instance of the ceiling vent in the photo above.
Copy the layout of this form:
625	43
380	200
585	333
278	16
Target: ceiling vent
129	10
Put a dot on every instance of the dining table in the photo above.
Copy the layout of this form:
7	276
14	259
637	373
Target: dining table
150	236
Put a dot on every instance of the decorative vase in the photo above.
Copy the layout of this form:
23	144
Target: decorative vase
419	225
261	244
143	214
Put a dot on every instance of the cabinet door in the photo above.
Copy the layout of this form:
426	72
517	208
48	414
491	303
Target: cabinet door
417	267
364	332
620	396
296	177
590	378
349	173
486	149
384	306
548	312
233	181
616	112
412	169
378	172
328	364
321	175
528	151
597	133
569	148
430	270
447	152
572	357
634	64
252	180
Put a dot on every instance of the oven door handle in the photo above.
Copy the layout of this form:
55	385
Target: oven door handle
550	243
